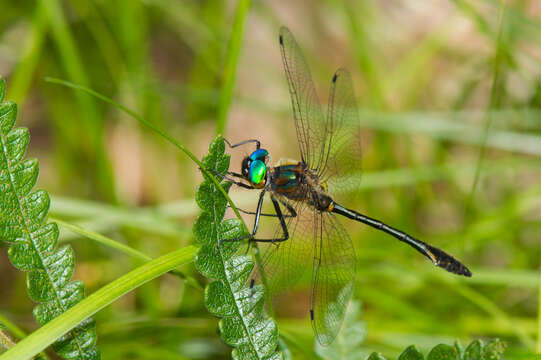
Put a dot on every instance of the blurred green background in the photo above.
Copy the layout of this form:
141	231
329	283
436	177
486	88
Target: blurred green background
435	81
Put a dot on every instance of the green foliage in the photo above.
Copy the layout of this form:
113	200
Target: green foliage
33	241
425	95
230	66
244	324
477	350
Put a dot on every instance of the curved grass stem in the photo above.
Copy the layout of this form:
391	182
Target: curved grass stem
153	128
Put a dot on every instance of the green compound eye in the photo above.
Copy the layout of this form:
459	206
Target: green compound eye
257	171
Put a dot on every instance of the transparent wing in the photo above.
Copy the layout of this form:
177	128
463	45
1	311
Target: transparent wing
329	146
341	152
307	111
332	276
284	263
318	242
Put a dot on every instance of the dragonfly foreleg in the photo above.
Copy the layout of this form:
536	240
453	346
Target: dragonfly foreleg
236	182
256	224
257	142
258	215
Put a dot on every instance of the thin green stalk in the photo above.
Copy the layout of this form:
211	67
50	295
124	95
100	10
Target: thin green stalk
54	329
120	247
230	68
495	101
104	240
105	215
156	130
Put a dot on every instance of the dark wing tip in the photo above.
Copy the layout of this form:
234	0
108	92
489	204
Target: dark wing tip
341	73
284	32
449	263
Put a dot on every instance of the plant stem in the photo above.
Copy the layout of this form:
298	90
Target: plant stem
495	102
156	130
104	240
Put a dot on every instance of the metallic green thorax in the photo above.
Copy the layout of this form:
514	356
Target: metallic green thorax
288	176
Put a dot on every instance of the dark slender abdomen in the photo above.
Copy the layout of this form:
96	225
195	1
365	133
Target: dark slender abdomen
438	257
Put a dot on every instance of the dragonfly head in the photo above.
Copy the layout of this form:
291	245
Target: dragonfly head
254	167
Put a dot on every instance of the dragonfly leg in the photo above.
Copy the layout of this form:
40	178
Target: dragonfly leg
256	224
258	215
238	183
237	175
266	214
257	143
281	217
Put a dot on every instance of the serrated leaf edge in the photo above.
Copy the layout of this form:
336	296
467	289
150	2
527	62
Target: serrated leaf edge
229	283
30	237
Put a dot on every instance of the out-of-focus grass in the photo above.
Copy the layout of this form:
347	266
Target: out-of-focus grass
424	75
230	65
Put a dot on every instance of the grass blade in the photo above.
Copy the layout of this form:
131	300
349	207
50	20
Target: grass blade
153	128
230	68
44	336
495	102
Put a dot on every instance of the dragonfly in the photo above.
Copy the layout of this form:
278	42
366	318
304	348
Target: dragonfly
308	229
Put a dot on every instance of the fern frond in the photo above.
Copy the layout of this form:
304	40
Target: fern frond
244	324
477	350
33	241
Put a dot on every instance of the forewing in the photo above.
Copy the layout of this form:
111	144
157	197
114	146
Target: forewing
332	276
306	107
341	152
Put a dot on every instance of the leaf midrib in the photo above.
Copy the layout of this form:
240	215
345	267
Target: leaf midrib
246	329
28	232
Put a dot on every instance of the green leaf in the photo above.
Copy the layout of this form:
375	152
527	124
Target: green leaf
348	343
493	350
479	351
411	353
33	241
244	324
442	352
475	351
376	356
